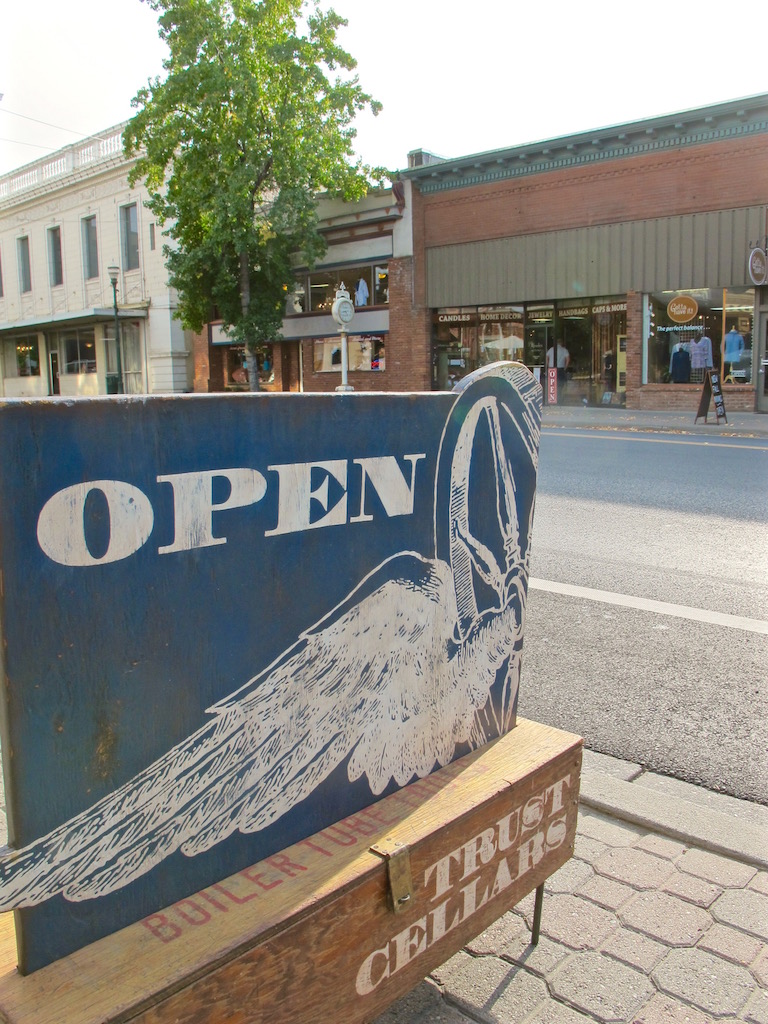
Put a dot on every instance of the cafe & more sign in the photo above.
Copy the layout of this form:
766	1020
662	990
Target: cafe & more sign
230	621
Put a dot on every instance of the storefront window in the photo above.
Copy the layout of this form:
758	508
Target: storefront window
78	348
539	334
499	334
21	357
588	335
314	292
235	367
380	285
130	352
454	346
609	349
690	331
364	352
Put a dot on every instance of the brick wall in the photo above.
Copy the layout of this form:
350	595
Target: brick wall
717	176
408	359
410	365
209	364
634	343
685	397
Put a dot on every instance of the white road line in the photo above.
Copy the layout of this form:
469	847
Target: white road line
679	611
609	436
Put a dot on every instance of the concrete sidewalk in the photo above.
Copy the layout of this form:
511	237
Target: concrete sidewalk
661	917
740	424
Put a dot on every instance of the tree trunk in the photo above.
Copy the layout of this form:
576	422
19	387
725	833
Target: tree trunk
245	303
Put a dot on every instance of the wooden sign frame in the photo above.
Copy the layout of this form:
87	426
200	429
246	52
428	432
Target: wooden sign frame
312	933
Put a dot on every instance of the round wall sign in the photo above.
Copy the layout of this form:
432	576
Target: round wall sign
758	266
682	309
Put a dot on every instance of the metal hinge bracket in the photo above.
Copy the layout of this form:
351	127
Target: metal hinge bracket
398	873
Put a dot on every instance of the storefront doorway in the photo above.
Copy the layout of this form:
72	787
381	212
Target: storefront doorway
53	364
761	336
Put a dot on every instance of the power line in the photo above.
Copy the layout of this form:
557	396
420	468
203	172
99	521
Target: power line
18	142
58	127
48	124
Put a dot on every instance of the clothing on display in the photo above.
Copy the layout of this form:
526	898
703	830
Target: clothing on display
701	353
361	293
681	366
734	346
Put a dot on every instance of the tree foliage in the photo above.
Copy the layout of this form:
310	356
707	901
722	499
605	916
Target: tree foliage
253	118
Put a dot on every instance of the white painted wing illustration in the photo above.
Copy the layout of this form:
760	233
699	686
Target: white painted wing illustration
381	679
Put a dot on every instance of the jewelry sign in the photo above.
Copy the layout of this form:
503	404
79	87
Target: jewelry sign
229	621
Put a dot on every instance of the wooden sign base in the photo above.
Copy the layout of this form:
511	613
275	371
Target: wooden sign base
339	925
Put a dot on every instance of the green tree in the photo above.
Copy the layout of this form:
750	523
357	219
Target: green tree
253	118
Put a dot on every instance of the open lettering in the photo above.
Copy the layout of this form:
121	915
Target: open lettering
310	496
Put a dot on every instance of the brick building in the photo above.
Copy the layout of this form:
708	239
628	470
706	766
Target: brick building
370	252
627	246
621	254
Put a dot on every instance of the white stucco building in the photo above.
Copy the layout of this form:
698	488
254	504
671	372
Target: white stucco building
64	220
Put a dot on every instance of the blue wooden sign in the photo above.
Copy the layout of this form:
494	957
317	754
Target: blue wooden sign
229	621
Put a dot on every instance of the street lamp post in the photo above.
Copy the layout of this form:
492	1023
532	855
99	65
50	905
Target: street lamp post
342	311
113	272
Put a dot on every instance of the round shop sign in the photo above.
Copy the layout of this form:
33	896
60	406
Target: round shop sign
758	266
682	309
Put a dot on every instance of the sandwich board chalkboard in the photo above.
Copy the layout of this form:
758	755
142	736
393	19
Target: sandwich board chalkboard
711	390
229	621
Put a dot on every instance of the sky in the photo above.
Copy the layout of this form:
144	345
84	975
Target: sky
453	79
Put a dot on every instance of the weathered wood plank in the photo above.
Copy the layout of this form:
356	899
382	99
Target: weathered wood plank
309	932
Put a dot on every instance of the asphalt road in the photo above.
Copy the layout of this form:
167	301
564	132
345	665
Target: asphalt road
681	685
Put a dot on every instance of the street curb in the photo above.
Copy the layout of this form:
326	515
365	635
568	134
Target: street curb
692	824
684	430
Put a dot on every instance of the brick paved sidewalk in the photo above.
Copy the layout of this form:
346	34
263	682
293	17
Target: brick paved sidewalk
637	928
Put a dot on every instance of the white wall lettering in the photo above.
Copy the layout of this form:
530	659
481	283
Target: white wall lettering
296	494
194	505
61	531
389	482
61	527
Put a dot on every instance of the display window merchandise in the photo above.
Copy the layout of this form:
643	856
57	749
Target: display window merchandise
698	329
315	291
585	339
365	352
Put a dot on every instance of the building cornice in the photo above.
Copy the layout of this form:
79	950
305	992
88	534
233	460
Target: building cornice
95	155
737	119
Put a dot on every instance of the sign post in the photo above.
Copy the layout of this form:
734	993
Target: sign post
266	749
342	311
